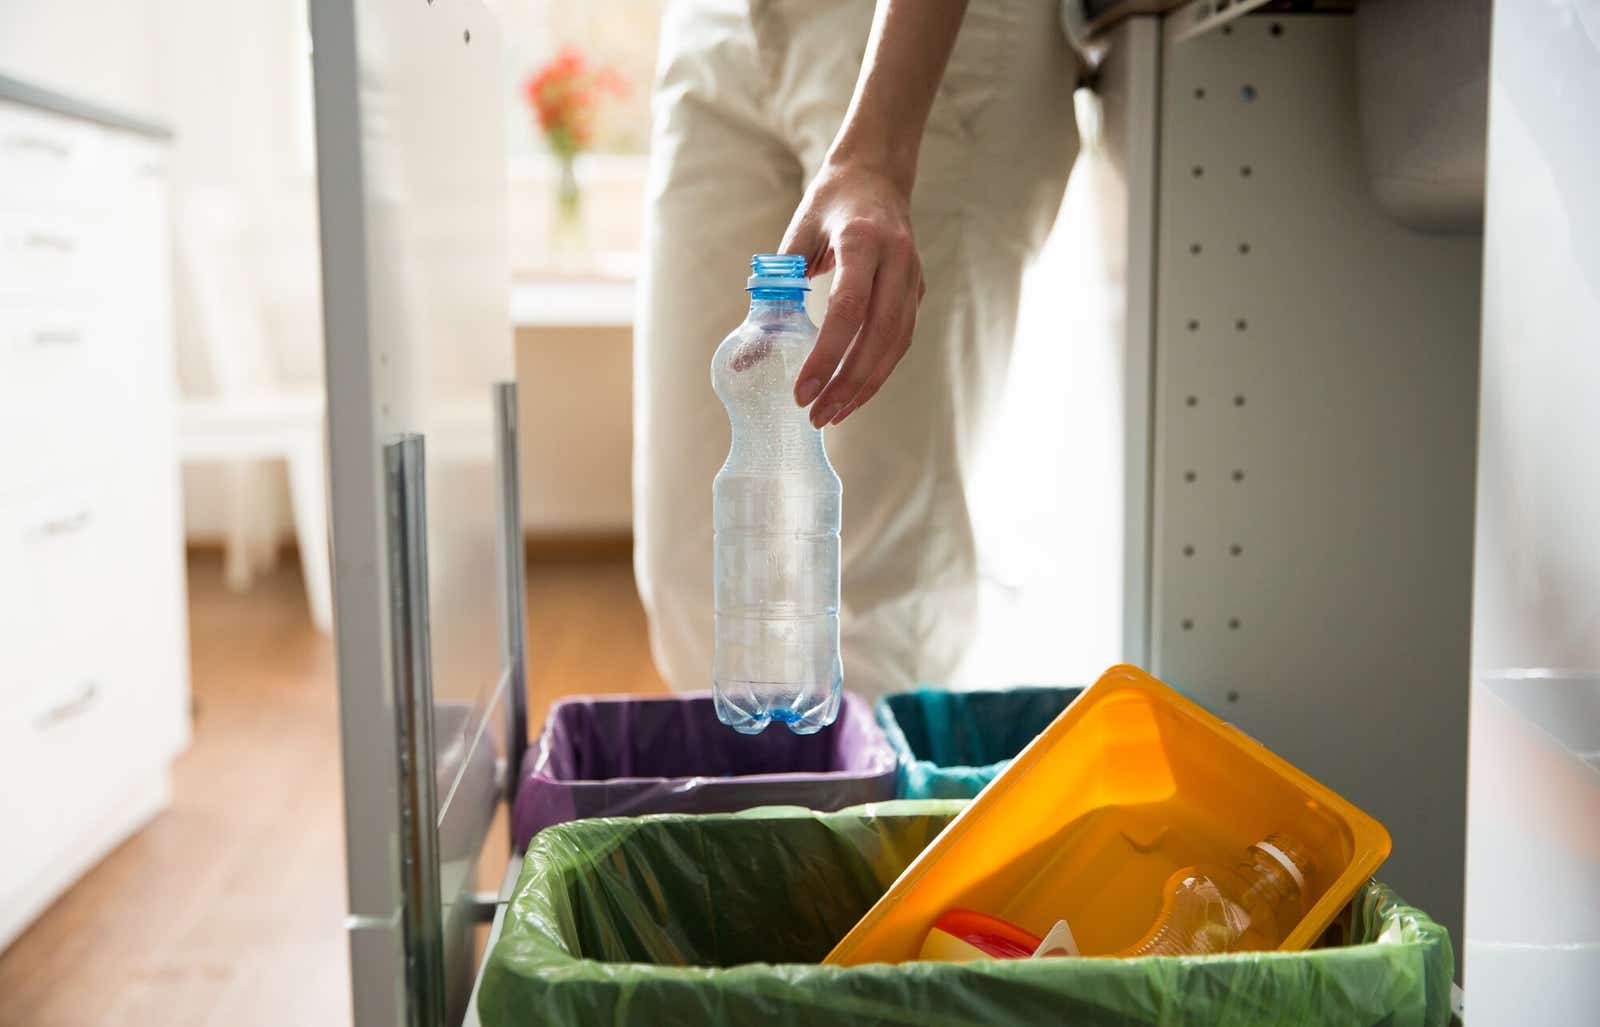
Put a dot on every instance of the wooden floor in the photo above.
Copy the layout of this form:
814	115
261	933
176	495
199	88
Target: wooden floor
228	908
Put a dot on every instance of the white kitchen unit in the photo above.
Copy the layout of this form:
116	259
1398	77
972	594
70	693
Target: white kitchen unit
94	684
1533	813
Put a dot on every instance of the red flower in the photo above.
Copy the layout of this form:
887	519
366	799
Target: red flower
565	93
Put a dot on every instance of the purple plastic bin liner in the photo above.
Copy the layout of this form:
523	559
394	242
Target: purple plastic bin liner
621	756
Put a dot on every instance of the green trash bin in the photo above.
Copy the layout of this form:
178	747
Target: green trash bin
721	919
952	743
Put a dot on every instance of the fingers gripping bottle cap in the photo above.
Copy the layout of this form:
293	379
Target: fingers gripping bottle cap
777	271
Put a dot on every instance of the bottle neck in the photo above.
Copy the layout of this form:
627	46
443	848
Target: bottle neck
1268	878
775	304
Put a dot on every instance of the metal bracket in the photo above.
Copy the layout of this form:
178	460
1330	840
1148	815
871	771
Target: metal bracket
1201	16
422	910
513	582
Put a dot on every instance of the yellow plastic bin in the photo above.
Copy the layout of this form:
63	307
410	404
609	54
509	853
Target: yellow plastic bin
1131	783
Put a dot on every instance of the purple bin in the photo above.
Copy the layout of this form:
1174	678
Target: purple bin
620	756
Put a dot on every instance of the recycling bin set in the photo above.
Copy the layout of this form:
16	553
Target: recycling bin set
678	872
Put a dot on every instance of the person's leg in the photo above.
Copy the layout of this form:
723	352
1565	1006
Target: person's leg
1000	142
722	187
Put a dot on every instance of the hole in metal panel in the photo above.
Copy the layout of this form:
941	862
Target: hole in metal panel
1276	28
1190	401
1247	93
1241	325
1187	624
1244	171
1194	326
1199	94
1238	475
1188	550
1190	476
1238	401
1197	171
1194	248
1233	624
1244	247
1235	549
466	35
1233	695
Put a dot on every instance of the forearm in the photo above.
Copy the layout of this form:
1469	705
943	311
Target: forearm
906	55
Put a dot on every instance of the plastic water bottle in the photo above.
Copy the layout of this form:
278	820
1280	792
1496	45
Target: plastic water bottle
775	512
1250	907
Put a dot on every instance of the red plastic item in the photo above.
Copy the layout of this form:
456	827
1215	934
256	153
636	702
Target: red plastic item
990	935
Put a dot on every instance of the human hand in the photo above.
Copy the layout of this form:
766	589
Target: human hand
856	220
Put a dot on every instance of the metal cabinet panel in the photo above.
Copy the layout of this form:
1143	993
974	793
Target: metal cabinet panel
1314	404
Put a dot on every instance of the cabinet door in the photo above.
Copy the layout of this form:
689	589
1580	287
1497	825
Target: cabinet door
415	281
1533	811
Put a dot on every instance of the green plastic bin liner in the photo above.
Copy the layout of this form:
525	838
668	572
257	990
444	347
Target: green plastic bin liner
951	744
720	919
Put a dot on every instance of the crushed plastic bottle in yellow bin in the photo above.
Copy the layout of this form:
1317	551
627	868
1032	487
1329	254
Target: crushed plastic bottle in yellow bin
1089	825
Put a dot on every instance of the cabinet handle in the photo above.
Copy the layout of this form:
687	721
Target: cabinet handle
83	699
54	148
49	241
57	337
65	525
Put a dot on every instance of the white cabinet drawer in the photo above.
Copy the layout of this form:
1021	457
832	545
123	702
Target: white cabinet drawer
50	256
76	437
50	351
52	600
57	751
46	161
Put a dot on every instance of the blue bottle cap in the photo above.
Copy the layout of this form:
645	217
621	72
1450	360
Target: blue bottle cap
778	271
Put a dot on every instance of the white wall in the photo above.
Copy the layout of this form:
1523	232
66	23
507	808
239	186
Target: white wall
90	49
575	434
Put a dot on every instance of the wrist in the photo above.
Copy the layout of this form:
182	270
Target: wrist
875	154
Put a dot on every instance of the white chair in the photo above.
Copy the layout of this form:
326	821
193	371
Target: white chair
251	418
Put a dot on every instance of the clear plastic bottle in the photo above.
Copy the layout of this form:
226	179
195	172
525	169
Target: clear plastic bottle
775	513
1250	907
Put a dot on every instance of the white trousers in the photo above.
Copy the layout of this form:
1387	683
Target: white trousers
748	96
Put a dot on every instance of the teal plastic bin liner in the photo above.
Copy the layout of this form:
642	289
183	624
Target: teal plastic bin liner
951	744
721	919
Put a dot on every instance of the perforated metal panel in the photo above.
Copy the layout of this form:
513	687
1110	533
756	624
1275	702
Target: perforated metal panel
1314	410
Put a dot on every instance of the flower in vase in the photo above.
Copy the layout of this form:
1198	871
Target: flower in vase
564	94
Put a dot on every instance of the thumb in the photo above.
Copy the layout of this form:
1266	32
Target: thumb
805	237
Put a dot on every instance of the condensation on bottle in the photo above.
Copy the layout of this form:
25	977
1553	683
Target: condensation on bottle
776	514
